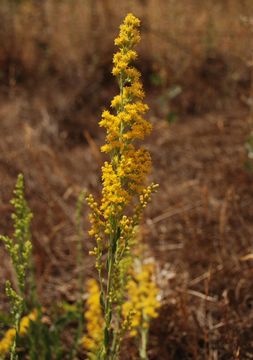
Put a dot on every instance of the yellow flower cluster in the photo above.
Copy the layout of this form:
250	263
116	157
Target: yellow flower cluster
127	125
125	175
143	300
114	195
132	169
25	322
7	340
94	318
128	33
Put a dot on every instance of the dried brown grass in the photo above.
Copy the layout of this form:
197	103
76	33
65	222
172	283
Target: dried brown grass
68	39
55	58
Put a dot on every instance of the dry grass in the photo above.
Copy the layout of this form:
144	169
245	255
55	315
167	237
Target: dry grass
67	38
55	61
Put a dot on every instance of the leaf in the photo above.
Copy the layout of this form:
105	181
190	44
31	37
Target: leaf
5	319
106	337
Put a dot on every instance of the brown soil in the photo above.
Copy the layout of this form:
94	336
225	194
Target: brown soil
198	226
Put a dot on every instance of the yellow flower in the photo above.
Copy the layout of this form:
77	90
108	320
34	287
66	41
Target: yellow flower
114	195
94	318
7	340
142	298
25	322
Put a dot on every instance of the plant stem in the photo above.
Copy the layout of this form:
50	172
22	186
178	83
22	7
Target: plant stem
13	353
143	343
108	305
109	336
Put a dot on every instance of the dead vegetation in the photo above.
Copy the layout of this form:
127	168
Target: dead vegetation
55	79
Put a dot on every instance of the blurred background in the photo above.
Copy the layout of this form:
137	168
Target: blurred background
196	59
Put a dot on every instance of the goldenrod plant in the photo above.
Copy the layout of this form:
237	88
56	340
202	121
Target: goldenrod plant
19	248
27	330
28	335
114	219
6	342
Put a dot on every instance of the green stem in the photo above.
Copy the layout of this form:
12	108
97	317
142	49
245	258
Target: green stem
108	306
13	353
116	336
143	342
110	337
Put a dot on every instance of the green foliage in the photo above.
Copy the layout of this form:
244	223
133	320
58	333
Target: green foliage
30	334
164	102
44	338
19	248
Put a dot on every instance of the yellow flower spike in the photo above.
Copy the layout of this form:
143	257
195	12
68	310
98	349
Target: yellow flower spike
93	316
115	219
6	342
143	298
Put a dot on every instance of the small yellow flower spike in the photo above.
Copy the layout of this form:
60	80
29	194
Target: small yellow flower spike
142	299
25	322
129	35
94	318
6	342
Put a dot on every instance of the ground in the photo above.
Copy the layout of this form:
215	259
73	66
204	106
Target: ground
198	227
196	61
